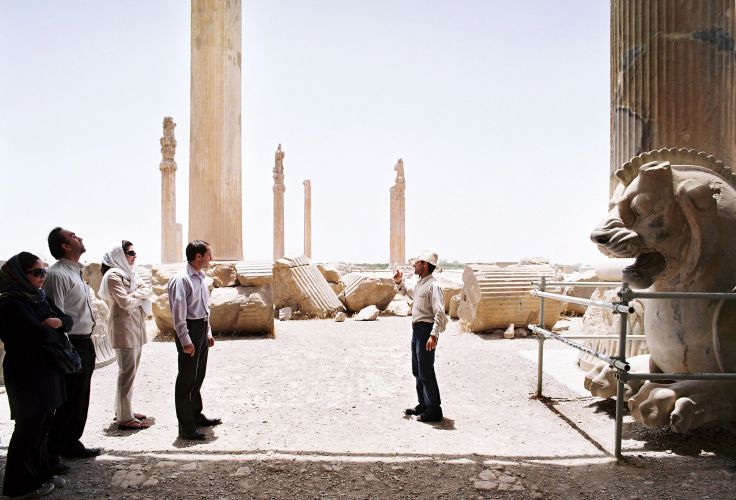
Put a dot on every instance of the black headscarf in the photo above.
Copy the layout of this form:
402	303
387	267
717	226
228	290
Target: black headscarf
13	283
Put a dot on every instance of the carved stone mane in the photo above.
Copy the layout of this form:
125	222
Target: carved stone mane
676	156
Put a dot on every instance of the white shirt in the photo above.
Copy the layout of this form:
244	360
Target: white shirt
188	299
429	303
70	293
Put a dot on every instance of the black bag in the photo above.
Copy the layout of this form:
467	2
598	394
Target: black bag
63	356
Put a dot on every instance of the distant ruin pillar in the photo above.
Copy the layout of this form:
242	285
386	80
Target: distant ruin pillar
672	78
215	199
308	218
167	167
398	217
278	204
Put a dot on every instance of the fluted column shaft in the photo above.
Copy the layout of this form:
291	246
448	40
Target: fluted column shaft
215	197
308	218
672	78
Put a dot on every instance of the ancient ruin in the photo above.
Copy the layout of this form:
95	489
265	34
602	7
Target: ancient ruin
171	243
308	219
241	297
672	78
675	212
215	184
398	217
495	297
278	204
366	289
297	283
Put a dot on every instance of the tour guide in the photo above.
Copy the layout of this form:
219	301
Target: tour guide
190	306
428	321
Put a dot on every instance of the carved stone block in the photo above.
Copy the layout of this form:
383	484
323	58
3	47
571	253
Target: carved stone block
298	284
495	296
365	289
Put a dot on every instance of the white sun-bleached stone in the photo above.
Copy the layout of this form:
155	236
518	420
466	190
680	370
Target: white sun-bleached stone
364	289
368	313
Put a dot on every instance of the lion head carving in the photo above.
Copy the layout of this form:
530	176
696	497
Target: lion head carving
673	209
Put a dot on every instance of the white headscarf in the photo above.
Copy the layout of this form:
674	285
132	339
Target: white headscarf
116	260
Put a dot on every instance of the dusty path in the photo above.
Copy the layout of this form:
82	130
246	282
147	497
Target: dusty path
317	412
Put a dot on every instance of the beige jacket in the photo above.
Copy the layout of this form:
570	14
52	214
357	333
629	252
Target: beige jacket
127	319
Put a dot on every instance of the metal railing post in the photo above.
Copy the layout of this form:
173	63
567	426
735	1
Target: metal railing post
540	358
540	339
623	322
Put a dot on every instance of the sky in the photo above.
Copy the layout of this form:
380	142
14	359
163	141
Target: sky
499	110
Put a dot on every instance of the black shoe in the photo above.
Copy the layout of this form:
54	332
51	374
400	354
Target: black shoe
431	414
59	468
417	410
81	452
208	422
194	435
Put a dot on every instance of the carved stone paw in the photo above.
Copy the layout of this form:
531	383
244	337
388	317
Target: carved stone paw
602	383
600	380
684	405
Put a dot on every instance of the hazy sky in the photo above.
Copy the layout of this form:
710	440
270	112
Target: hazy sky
499	109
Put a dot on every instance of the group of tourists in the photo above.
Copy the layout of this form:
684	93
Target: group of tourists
47	322
46	328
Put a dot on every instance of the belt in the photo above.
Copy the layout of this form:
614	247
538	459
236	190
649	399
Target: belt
76	336
197	319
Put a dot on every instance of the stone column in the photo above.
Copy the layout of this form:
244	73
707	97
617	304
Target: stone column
179	242
672	78
308	218
278	204
398	217
168	193
215	199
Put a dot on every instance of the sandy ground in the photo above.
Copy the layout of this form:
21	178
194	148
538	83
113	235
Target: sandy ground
317	412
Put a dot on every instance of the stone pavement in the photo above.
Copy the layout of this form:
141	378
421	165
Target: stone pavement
318	411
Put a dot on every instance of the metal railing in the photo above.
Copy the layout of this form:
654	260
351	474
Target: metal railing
618	362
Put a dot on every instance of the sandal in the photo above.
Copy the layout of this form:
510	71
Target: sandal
134	424
139	416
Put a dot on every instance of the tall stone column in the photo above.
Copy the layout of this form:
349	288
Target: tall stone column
398	217
215	199
672	78
308	218
278	204
168	194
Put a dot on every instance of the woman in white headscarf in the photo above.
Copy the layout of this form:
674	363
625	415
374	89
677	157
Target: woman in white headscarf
129	300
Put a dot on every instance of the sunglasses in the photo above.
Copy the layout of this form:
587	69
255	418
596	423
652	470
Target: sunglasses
131	253
38	272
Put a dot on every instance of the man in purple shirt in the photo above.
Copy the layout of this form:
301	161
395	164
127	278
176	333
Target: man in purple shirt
189	301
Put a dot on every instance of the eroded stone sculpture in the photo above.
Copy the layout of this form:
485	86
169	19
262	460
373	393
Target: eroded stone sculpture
675	212
171	244
398	216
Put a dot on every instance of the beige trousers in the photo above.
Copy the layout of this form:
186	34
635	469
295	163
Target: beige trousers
128	362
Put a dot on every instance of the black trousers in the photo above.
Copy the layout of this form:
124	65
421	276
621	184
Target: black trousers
71	417
422	366
192	370
27	465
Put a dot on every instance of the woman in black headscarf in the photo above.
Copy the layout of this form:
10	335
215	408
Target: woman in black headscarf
28	322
